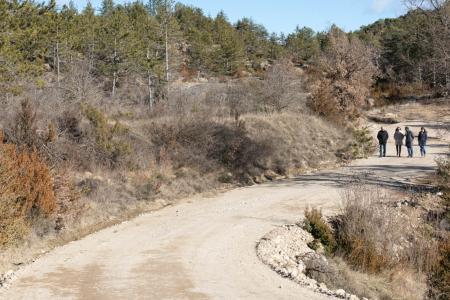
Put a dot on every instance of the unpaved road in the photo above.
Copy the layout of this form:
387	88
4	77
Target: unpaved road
203	248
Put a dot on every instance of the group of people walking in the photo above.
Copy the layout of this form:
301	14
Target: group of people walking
399	137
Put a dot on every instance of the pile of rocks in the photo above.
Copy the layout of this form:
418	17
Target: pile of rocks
6	278
286	251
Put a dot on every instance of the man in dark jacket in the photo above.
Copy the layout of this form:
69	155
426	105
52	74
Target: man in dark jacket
409	138
382	137
423	137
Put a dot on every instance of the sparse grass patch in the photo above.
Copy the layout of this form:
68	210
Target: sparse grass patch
320	230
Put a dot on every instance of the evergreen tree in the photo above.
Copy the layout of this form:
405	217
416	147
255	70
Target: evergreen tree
303	44
229	50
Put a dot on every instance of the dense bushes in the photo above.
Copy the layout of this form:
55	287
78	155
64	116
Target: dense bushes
26	192
208	145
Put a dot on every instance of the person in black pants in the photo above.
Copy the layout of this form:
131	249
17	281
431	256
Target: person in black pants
409	138
398	137
382	137
423	137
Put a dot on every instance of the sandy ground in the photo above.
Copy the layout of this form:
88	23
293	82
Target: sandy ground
204	248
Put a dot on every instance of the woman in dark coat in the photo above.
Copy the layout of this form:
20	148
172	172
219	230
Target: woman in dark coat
398	137
409	138
423	137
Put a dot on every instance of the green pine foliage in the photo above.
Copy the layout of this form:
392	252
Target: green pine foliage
120	40
132	40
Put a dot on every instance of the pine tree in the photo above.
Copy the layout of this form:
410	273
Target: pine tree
229	48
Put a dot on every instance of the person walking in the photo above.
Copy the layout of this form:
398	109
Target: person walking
409	138
382	137
398	137
423	137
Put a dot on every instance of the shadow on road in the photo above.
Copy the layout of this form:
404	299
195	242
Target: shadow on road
338	179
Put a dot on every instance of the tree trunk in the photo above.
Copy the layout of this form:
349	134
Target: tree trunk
114	84
57	63
167	62
150	96
434	74
167	53
114	65
91	57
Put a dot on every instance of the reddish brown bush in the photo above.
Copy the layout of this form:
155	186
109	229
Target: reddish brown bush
26	190
342	77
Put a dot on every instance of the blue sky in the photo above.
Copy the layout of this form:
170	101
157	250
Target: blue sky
285	15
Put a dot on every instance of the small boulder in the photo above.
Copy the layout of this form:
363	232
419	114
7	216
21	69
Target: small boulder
340	293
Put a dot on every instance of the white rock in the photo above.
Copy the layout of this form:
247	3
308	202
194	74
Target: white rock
353	297
340	293
9	274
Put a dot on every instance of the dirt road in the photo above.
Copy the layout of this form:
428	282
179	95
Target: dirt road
204	248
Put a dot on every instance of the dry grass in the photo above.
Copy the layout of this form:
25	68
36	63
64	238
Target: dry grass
302	141
382	251
419	111
397	283
373	236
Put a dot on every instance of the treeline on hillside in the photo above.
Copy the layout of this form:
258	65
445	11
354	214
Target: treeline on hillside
414	48
160	41
155	41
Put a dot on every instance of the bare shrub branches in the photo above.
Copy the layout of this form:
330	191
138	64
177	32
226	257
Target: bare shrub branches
373	236
342	77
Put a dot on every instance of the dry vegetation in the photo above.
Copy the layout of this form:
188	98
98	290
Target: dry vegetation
91	161
341	81
380	250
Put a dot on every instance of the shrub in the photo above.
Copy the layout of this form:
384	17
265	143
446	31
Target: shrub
342	77
361	230
23	131
440	277
26	191
372	236
443	175
207	145
111	148
443	170
320	230
362	145
69	123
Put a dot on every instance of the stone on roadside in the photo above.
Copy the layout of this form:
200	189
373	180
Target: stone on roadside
340	293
